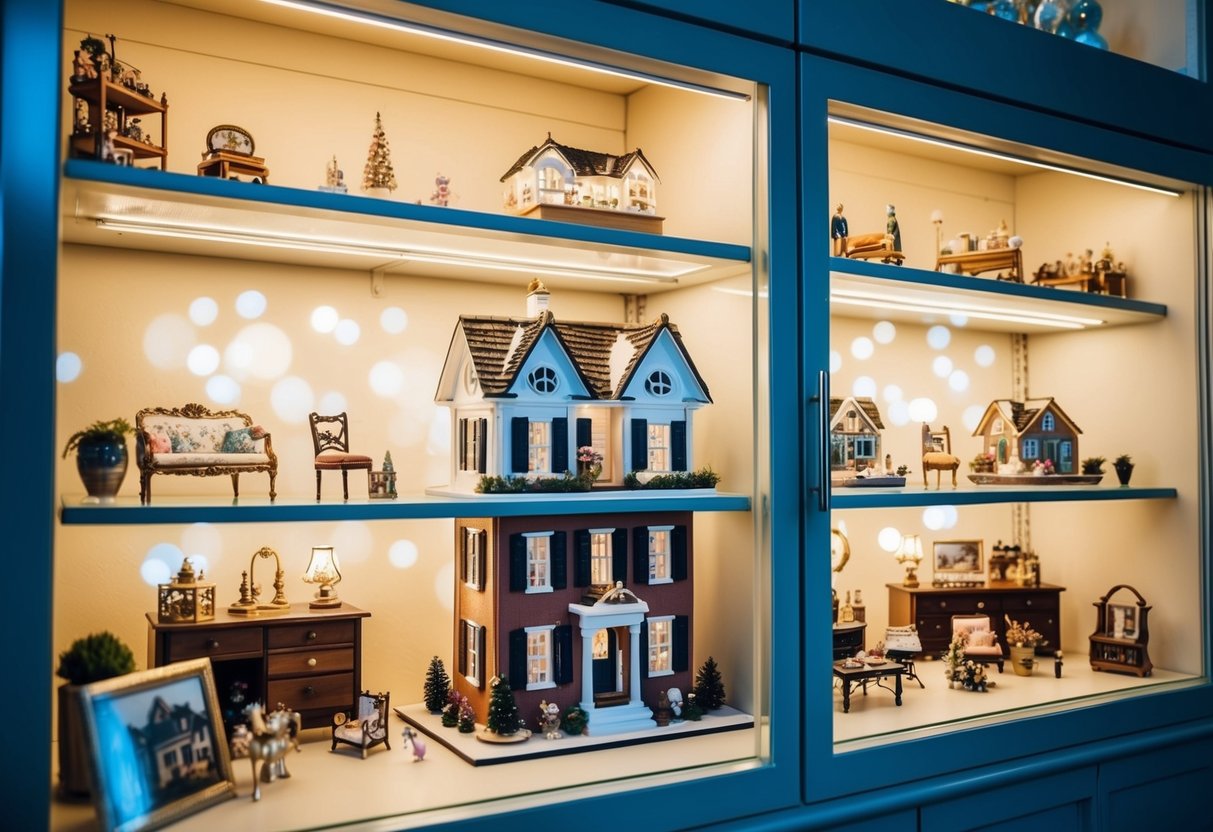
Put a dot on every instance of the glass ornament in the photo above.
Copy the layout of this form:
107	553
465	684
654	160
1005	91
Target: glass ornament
1086	15
1050	14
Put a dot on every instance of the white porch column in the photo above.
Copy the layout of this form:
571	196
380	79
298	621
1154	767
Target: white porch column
587	669
634	674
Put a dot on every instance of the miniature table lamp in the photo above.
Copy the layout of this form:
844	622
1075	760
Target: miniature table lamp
910	554
322	569
187	599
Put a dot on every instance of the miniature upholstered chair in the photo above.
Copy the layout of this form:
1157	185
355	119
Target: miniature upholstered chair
331	443
982	643
368	729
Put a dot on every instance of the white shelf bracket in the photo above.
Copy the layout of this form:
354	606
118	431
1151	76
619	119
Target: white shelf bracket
377	281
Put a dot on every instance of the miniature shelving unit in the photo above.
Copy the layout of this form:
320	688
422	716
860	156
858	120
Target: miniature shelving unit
105	96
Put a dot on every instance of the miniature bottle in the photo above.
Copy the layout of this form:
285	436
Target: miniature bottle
847	614
859	609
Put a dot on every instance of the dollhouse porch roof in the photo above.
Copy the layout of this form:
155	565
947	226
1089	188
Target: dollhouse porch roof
499	348
584	162
1024	415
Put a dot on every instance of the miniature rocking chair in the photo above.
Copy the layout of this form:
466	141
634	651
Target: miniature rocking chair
370	726
331	443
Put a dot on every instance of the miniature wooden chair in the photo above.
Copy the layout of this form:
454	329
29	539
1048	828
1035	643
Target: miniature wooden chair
982	642
369	728
331	443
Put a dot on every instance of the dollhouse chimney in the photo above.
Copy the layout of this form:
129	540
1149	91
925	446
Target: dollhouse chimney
537	298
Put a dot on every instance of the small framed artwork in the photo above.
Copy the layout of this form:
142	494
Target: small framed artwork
1122	621
959	559
156	746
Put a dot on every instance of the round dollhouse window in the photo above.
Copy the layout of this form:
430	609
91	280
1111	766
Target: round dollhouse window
543	380
659	383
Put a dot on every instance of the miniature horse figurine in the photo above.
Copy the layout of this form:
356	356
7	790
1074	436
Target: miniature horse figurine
937	455
410	736
273	735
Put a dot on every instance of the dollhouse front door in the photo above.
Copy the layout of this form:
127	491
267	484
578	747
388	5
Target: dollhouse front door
606	664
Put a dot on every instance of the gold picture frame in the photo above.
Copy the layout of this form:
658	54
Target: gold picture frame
956	559
157	749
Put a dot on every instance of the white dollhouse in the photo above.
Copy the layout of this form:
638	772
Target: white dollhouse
556	174
526	394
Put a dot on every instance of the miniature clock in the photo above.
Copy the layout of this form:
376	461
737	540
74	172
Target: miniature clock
230	138
840	550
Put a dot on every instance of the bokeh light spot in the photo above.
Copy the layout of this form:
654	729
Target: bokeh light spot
332	403
167	341
259	350
251	304
324	319
835	361
889	539
347	332
67	367
971	416
444	587
938	337
959	381
933	518
891	393
394	320
899	413
923	410
160	563
941	366
984	356
292	400
862	348
884	332
203	360
223	389
402	554
204	311
386	378
864	386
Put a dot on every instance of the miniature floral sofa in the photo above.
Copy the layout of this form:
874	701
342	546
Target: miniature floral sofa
202	443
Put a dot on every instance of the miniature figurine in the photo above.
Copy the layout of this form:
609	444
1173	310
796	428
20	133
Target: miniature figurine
838	232
83	68
273	735
442	191
81	124
106	151
675	697
411	738
549	719
892	228
334	178
134	130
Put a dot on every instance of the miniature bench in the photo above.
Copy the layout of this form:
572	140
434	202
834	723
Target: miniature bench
195	441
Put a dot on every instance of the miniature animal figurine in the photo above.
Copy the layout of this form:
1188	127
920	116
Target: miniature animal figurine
274	734
410	737
937	455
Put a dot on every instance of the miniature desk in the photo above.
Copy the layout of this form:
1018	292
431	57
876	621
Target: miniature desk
976	262
865	674
225	165
310	660
1103	283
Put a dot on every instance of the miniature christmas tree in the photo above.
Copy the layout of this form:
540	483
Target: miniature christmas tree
467	718
378	172
437	683
503	710
709	689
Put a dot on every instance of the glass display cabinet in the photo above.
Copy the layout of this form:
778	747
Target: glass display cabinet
971	341
427	182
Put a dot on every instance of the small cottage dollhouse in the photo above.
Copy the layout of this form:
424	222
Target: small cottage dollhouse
554	174
527	394
1027	432
593	610
855	428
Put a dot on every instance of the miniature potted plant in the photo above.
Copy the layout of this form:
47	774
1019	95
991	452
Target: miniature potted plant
90	659
1124	468
983	463
101	457
574	721
1023	641
1093	465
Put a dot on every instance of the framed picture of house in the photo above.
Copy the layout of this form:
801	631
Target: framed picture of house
958	559
156	746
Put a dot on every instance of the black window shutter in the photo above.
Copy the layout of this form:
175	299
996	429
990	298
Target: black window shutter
640	444
463	647
678	445
640	555
681	660
560	445
520	444
463	444
481	558
585	432
644	650
463	561
563	650
619	555
517	563
482	446
581	557
517	659
557	546
678	547
480	642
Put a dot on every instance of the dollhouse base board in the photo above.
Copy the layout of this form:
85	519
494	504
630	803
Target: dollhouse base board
471	750
601	217
594	494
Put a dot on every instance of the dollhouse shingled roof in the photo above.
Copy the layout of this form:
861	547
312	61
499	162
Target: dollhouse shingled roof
583	162
1023	414
866	404
499	348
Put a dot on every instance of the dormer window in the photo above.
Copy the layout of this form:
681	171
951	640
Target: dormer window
543	380
1047	422
659	383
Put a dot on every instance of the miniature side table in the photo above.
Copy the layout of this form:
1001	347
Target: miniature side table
865	674
976	262
224	165
849	639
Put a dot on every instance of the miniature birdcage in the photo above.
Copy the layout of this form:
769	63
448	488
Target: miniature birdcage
187	599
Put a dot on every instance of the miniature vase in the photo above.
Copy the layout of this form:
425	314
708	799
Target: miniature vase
1124	470
1023	659
102	463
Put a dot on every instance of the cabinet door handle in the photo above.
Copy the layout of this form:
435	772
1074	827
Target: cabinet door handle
311	662
981	605
311	635
943	605
212	644
823	440
309	691
1028	602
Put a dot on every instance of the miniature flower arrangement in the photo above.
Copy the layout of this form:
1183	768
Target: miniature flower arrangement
972	676
455	702
983	463
701	478
1093	465
589	462
1022	635
1043	468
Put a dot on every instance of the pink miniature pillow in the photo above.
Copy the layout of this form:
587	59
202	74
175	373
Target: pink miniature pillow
161	444
257	432
981	638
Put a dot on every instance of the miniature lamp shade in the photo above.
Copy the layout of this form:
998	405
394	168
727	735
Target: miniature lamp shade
909	553
187	599
322	569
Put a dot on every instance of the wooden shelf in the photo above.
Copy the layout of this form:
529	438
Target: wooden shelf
116	94
902	294
173	212
127	511
912	497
